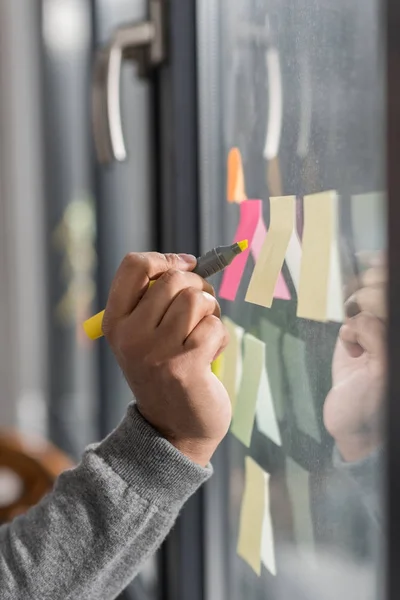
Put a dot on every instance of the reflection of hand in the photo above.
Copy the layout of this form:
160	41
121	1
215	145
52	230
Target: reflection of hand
165	339
353	407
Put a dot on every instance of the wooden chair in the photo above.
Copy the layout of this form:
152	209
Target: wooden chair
29	467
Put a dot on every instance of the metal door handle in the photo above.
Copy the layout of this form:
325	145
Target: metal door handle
143	43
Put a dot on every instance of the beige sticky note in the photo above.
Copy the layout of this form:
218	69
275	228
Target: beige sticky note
267	536
298	482
269	264
252	516
245	409
320	287
231	372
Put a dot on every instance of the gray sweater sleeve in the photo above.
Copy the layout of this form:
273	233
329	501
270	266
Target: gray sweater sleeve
91	535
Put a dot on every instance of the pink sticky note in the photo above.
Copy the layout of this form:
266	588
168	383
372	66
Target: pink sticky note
281	289
250	216
252	228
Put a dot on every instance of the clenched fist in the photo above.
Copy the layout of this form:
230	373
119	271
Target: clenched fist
165	338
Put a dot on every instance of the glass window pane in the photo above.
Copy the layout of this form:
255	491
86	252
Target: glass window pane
296	90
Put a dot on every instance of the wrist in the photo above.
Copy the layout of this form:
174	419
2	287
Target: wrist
199	452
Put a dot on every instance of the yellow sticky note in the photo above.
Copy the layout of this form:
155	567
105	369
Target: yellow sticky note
245	409
269	264
232	361
320	289
252	516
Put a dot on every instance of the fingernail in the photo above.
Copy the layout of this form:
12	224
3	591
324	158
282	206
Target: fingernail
188	258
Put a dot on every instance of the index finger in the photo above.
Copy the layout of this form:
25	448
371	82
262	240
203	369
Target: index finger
134	275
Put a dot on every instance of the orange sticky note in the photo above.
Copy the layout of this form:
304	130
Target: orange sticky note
236	187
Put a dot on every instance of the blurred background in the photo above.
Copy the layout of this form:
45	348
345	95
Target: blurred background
114	138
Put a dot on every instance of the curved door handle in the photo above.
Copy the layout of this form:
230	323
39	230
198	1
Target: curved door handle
143	43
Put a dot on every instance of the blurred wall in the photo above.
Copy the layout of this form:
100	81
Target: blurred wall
22	239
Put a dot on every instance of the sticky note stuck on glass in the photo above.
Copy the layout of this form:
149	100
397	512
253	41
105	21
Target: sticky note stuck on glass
232	360
249	220
298	482
368	214
294	352
267	537
245	409
266	419
268	268
256	538
320	295
236	187
272	336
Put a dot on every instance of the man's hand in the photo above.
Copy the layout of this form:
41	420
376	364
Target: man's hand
354	406
165	339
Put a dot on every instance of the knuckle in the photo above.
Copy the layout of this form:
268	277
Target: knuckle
131	259
172	277
191	297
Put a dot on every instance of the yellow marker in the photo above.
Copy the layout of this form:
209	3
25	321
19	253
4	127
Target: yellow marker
211	263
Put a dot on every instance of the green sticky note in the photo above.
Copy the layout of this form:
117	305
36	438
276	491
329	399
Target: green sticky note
272	335
298	482
294	352
246	402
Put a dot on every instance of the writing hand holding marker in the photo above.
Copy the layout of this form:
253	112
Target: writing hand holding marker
211	263
164	339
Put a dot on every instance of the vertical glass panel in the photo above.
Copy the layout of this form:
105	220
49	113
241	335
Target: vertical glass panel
296	89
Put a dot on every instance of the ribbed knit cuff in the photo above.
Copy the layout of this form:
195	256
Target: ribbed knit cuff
147	462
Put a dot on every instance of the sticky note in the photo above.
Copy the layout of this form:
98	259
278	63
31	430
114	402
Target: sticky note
236	188
232	362
368	214
320	295
245	409
298	482
294	352
267	536
250	216
274	178
272	336
266	420
275	104
270	261
281	290
256	539
293	258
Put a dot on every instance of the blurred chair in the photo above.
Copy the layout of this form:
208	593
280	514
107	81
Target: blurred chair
29	467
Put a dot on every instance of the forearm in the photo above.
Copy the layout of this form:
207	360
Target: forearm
91	535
